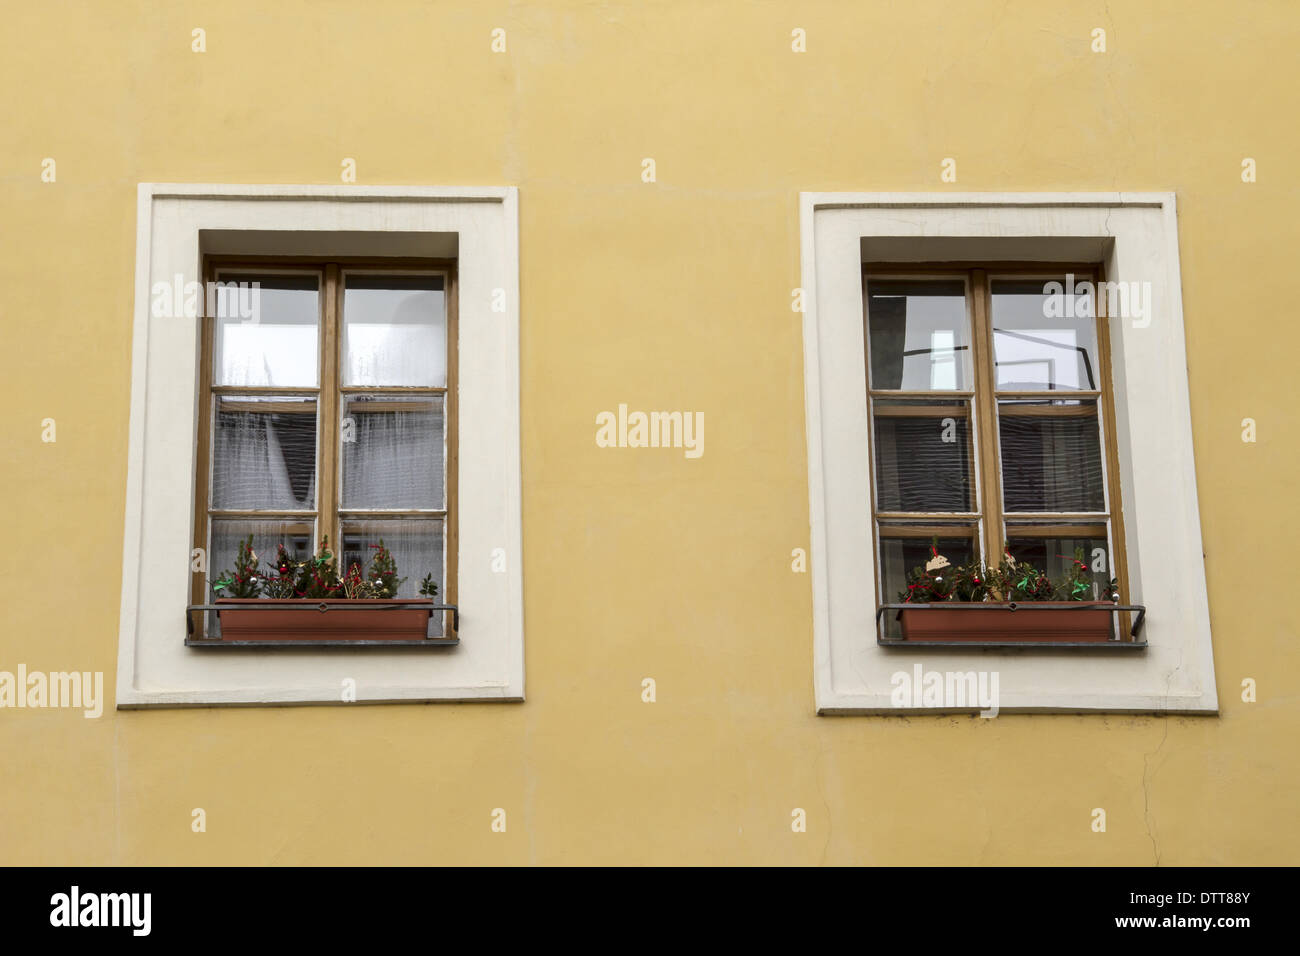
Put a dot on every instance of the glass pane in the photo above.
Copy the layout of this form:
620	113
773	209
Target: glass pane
1055	554
416	545
1044	335
394	330
276	344
898	556
919	334
268	534
923	456
1051	455
393	452
264	453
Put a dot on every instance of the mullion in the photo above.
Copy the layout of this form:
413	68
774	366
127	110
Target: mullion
984	412
393	389
1052	394
1062	531
918	393
306	521
921	411
1110	447
1020	517
330	462
910	532
265	389
251	514
929	516
371	514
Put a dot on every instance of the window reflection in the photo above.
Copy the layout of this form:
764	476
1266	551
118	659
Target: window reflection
1043	340
919	334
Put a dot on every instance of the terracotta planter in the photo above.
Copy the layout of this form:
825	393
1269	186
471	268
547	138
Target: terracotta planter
252	619
1066	623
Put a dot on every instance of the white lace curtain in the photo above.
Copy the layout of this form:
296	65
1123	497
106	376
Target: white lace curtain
265	462
396	457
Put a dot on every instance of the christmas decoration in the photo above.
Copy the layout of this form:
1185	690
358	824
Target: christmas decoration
279	582
384	581
243	582
1010	581
315	578
926	587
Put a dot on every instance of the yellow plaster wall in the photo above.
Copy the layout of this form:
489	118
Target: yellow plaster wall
666	295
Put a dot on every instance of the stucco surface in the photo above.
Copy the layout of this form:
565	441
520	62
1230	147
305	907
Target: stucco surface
673	294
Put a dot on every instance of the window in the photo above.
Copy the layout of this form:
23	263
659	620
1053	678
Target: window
989	394
943	368
328	413
309	362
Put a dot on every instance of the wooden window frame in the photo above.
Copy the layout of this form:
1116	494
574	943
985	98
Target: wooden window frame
987	524
330	393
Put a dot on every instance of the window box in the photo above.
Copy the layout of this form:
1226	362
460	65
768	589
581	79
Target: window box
1053	622
331	622
371	621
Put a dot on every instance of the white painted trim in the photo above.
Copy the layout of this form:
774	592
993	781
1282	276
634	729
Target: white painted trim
155	669
498	194
1161	519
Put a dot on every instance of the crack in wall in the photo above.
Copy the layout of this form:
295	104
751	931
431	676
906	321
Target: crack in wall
817	778
1147	773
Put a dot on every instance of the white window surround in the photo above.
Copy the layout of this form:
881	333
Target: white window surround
155	668
1135	236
